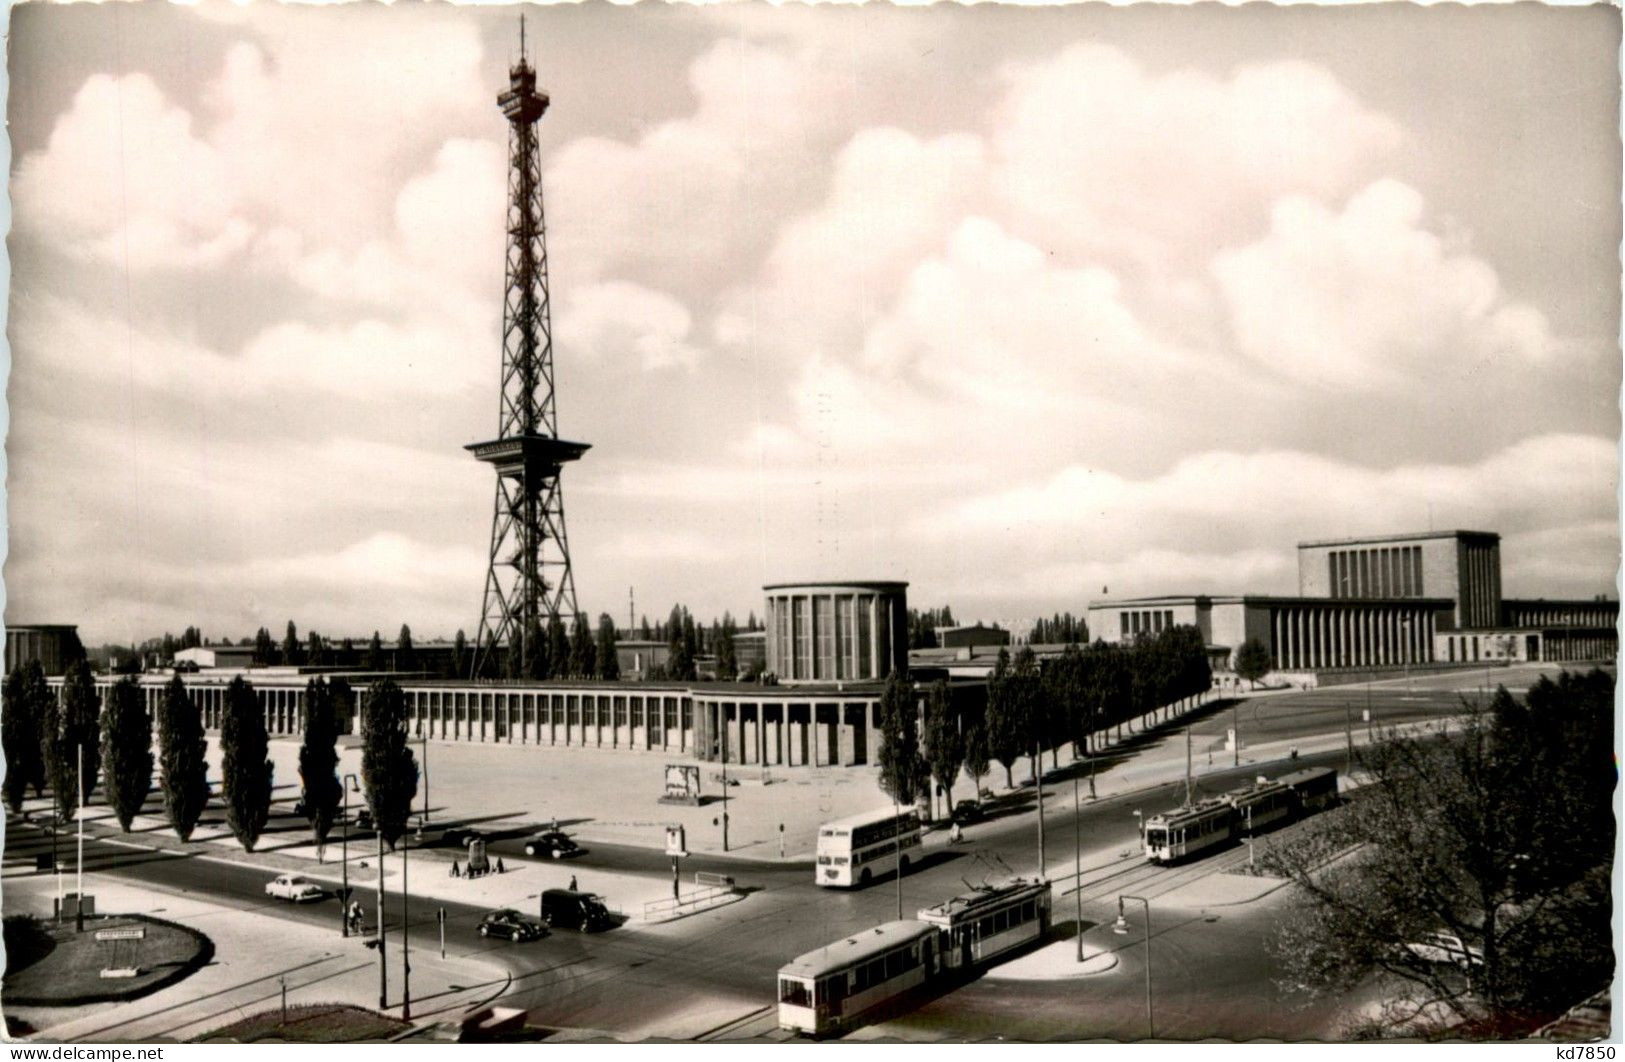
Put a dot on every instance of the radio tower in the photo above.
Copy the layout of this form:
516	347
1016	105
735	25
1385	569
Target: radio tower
528	581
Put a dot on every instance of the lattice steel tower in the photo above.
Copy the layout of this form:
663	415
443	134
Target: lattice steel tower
528	581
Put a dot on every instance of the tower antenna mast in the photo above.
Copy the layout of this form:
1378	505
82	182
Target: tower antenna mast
528	578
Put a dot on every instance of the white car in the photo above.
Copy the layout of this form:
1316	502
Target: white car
1446	947
294	887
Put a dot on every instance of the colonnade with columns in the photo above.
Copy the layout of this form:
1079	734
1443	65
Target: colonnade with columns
787	733
1338	635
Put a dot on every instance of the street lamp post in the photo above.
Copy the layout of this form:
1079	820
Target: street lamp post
1077	860
1038	780
383	967
79	860
406	948
722	712
1121	927
344	888
425	739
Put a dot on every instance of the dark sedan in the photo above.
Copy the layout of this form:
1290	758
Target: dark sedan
553	843
511	924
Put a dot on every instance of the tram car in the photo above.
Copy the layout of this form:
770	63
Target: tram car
835	988
1186	831
1314	789
1261	805
985	924
1183	832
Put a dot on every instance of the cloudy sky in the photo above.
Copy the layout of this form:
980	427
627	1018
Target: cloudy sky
1012	304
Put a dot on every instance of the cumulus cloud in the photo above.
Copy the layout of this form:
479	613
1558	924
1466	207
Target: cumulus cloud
1104	155
1368	298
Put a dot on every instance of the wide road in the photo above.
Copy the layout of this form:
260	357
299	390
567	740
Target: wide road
645	981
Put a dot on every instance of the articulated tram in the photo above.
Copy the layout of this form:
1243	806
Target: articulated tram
1183	832
833	988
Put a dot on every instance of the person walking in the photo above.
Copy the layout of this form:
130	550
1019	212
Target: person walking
456	871
573	883
955	835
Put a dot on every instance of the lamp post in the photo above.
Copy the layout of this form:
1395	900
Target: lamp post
722	713
406	948
383	967
79	860
1121	927
425	739
1038	780
345	786
1077	859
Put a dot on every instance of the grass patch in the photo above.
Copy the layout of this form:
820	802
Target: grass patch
67	973
314	1023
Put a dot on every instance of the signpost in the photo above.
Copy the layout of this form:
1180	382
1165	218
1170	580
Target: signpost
118	964
677	848
440	916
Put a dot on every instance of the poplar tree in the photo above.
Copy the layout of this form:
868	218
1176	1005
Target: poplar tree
903	773
182	753
20	735
245	769
609	663
944	744
583	652
127	751
388	769
78	748
318	762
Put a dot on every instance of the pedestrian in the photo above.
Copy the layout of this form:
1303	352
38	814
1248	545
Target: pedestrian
955	835
456	872
572	883
500	868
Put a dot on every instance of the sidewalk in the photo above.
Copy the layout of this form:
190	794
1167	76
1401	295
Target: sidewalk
255	955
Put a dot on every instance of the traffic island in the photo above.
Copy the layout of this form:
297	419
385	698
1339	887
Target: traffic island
114	959
311	1023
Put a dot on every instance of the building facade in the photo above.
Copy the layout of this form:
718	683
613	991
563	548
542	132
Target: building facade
54	645
774	726
1383	601
836	632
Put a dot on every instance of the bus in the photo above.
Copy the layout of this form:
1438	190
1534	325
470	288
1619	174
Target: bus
1185	831
1260	804
830	989
986	923
860	848
1314	789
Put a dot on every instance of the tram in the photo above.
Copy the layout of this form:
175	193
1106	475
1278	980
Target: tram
832	988
1183	832
984	924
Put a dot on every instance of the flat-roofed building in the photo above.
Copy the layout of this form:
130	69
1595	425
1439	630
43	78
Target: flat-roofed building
54	645
1463	566
836	631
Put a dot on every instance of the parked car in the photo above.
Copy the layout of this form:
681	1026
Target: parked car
509	923
567	909
555	843
1446	947
460	836
294	887
363	819
968	811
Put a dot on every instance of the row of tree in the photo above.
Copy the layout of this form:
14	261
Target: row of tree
551	652
923	624
1062	628
1032	706
65	743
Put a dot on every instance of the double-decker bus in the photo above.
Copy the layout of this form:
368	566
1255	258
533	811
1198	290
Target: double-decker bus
1260	804
1315	789
830	989
1186	831
860	848
982	925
